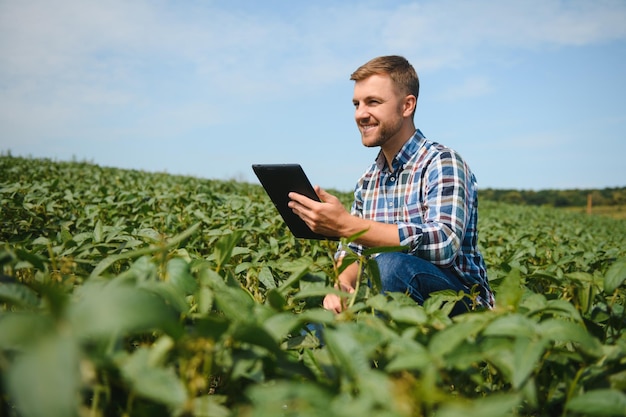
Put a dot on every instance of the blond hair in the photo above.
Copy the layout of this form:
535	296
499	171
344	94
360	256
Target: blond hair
396	67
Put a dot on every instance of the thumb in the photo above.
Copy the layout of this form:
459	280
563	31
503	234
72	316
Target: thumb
321	193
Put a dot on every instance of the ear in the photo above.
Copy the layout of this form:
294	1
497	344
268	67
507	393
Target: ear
409	105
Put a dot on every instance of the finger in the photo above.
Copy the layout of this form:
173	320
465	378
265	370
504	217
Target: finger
295	196
303	200
327	197
321	193
333	303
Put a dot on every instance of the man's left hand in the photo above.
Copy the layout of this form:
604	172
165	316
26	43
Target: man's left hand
327	217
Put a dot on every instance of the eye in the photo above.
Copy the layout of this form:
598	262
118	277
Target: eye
355	104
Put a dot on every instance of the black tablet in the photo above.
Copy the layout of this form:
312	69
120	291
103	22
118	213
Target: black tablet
281	179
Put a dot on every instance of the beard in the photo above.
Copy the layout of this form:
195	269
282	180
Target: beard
383	133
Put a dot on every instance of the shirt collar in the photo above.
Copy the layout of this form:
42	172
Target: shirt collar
404	154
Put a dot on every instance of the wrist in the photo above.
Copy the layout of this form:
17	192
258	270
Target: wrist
352	225
343	286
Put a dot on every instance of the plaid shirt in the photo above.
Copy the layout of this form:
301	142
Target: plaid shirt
431	195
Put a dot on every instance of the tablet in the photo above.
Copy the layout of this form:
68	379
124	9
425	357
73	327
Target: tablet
281	179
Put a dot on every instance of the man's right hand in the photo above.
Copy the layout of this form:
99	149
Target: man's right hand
336	303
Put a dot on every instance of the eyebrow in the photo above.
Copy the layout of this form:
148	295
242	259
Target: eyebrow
368	98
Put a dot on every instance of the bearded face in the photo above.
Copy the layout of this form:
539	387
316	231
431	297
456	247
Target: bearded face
380	112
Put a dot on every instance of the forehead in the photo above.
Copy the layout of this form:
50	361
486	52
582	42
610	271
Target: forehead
377	85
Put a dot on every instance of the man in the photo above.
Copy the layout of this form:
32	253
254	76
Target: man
418	194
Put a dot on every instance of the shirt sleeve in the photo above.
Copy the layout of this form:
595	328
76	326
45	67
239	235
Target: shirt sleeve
446	191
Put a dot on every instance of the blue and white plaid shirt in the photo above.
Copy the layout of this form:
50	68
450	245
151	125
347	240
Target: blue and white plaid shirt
431	195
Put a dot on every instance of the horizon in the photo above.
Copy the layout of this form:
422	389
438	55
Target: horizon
73	160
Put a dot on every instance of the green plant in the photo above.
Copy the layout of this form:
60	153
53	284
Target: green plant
130	293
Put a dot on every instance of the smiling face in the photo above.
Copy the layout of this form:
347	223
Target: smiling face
383	113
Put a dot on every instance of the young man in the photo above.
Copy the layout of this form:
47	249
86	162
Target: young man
418	194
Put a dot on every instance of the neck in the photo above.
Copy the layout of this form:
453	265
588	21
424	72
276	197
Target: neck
391	148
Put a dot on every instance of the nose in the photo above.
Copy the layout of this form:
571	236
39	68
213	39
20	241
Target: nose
361	113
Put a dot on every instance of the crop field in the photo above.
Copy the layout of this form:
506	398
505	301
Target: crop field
127	293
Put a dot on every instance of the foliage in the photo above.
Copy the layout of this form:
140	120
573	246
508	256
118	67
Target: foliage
612	196
130	293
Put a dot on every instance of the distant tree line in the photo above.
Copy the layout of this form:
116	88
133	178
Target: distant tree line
557	198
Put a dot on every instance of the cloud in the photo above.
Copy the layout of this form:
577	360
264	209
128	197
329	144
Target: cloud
71	66
450	33
253	50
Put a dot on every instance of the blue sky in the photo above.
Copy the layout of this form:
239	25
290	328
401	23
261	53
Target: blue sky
531	92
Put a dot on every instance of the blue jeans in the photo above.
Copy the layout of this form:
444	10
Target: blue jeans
402	272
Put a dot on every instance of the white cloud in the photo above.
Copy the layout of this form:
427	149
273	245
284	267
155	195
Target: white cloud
450	32
118	41
67	65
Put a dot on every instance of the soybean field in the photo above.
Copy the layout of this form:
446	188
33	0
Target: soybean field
127	293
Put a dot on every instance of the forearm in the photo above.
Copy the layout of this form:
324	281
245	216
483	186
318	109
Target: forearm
377	234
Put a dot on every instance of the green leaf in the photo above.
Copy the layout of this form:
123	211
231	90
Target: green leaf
350	351
155	383
355	236
296	276
236	303
179	275
105	263
255	334
601	402
35	260
266	278
615	276
98	232
19	330
212	327
105	310
45	380
279	325
276	299
210	406
450	338
169	293
224	248
283	398
374	274
414	315
18	295
558	330
317	315
317	292
526	357
499	405
204	299
510	291
407	354
562	308
512	325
